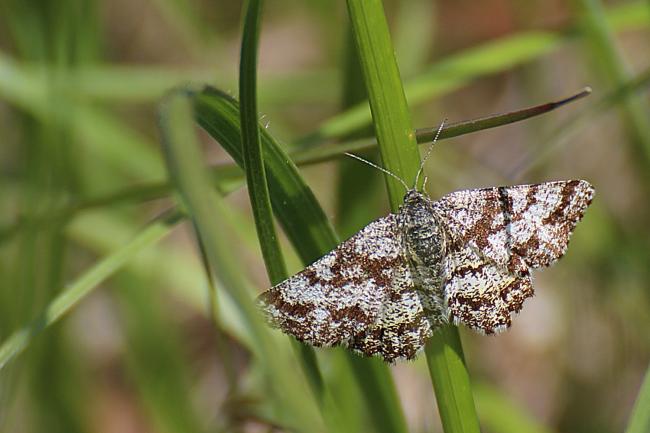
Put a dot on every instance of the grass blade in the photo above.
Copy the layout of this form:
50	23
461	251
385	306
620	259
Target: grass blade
600	40
299	213
500	414
258	190
426	135
400	155
391	118
293	202
76	291
185	165
640	418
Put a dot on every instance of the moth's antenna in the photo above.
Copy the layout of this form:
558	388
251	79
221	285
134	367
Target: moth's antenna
417	176
352	155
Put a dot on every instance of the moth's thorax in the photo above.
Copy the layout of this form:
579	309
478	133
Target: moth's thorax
423	236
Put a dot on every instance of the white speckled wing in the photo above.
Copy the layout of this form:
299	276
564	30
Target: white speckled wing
533	222
360	295
481	294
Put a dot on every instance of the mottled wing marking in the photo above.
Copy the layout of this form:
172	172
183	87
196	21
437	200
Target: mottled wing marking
401	330
363	294
360	295
530	221
482	294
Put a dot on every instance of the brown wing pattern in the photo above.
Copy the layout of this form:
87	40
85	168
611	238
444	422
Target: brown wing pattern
497	236
360	295
534	222
481	294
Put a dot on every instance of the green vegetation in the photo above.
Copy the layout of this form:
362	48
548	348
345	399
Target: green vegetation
131	258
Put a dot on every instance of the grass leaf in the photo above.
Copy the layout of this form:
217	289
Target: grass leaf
400	155
305	223
640	418
185	165
76	291
258	190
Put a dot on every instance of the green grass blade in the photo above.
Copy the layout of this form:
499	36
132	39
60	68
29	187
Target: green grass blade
450	74
185	165
451	381
258	190
313	155
457	70
355	206
293	202
400	156
391	118
76	291
501	415
296	208
600	40
640	418
227	176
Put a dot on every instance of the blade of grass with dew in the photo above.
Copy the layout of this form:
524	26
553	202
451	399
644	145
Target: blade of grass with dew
639	421
186	169
305	223
400	156
77	290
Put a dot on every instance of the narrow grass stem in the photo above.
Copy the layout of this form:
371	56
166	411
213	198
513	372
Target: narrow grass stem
400	155
89	280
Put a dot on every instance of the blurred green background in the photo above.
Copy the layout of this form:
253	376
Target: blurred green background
82	174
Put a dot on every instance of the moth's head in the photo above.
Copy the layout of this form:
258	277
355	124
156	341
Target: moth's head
413	198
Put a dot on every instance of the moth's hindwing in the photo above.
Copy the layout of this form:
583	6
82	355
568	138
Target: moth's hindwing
481	294
360	295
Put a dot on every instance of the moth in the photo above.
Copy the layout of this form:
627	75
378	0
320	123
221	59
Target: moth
465	258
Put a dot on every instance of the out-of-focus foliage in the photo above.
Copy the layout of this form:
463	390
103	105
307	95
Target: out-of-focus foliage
132	341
